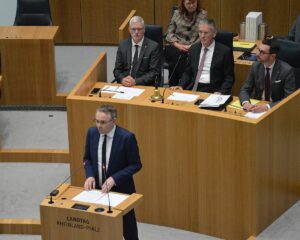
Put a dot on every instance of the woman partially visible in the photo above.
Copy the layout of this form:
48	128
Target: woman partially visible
181	34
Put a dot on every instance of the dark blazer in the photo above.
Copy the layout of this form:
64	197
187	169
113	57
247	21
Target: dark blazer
124	159
148	66
294	33
221	71
282	82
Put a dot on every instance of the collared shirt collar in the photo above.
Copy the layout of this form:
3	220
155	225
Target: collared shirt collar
211	46
140	43
111	133
271	66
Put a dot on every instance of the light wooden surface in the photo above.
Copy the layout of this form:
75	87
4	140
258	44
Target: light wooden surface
101	19
34	155
203	171
20	226
67	15
60	221
28	66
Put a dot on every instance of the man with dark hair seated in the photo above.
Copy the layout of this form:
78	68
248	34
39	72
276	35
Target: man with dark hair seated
271	79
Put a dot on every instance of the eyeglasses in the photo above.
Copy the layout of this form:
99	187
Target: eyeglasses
136	29
102	122
261	52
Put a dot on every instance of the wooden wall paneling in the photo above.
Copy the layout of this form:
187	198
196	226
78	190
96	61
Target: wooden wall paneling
213	9
163	10
67	15
275	13
101	19
294	11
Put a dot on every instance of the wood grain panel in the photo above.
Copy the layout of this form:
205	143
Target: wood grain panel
67	15
233	12
28	65
34	155
101	19
20	226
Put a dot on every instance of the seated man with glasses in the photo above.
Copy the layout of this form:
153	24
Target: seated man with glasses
138	60
270	78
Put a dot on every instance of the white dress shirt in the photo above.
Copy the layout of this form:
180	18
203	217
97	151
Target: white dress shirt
205	75
109	140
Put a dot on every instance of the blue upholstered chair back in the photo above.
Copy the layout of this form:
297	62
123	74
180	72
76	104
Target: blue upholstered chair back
290	53
33	13
155	33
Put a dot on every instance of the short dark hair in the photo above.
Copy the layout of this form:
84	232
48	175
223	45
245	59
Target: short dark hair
108	109
274	46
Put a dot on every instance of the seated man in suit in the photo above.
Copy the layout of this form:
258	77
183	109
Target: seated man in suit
138	60
210	67
270	78
294	34
111	158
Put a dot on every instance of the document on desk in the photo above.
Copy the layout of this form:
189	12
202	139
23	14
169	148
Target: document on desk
91	196
214	100
254	115
133	91
185	97
96	196
109	89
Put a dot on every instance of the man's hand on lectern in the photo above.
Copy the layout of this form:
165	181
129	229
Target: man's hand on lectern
90	183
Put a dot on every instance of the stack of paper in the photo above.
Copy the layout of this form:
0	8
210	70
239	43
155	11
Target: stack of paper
253	19
214	101
95	196
176	96
243	46
126	93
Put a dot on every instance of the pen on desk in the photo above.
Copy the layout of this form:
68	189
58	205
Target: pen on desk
115	91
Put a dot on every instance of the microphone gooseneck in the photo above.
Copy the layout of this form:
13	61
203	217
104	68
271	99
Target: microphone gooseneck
175	67
54	192
109	206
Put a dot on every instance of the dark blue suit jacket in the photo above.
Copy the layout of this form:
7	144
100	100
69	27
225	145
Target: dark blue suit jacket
124	159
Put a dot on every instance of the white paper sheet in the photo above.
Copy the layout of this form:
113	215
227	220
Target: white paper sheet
254	115
96	196
176	96
214	100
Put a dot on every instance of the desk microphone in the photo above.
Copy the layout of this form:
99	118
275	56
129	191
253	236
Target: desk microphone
109	206
100	93
163	96
56	191
175	67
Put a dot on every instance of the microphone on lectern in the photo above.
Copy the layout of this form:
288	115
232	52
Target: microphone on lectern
54	192
109	206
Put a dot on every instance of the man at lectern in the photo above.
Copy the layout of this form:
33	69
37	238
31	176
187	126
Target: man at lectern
270	78
111	158
138	59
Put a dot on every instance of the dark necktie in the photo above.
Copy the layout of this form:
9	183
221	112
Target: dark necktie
135	61
104	159
200	69
267	85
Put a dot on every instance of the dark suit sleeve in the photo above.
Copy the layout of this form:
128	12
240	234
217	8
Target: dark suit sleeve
289	84
228	78
133	161
154	68
187	77
120	70
87	157
248	86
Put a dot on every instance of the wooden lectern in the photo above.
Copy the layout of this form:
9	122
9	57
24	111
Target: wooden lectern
68	219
